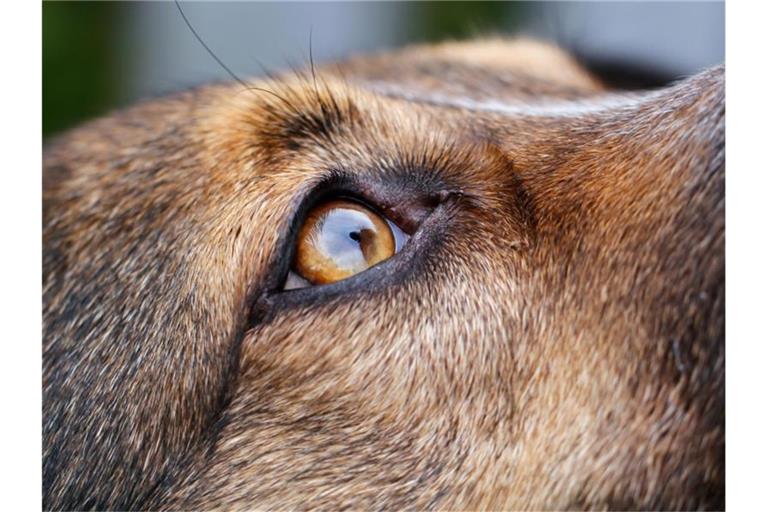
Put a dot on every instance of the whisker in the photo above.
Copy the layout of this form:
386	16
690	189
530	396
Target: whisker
207	48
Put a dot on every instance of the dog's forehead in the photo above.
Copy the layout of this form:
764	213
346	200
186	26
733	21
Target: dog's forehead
521	97
441	93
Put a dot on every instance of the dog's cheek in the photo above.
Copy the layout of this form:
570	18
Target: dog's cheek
354	390
146	300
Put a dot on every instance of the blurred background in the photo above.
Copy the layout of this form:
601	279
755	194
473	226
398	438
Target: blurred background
98	56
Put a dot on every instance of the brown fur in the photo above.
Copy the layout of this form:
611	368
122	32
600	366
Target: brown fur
552	337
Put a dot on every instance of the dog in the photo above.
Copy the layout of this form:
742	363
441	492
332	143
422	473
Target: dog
460	276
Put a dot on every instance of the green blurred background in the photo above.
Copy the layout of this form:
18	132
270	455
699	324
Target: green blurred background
80	75
81	40
101	55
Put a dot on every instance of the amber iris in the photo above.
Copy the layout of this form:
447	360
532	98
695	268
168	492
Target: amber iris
339	239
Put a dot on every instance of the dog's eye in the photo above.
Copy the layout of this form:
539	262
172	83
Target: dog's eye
341	238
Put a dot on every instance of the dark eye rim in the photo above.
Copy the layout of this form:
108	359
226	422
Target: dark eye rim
340	185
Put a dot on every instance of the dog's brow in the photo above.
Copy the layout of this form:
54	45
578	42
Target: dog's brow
305	111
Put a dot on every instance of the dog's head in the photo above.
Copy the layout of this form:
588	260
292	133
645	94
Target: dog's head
548	331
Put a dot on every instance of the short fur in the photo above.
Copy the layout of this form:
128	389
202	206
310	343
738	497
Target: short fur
551	337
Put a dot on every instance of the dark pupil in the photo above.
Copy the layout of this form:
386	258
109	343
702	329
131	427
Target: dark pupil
354	235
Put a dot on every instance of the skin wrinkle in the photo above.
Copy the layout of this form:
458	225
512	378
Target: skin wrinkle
551	336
